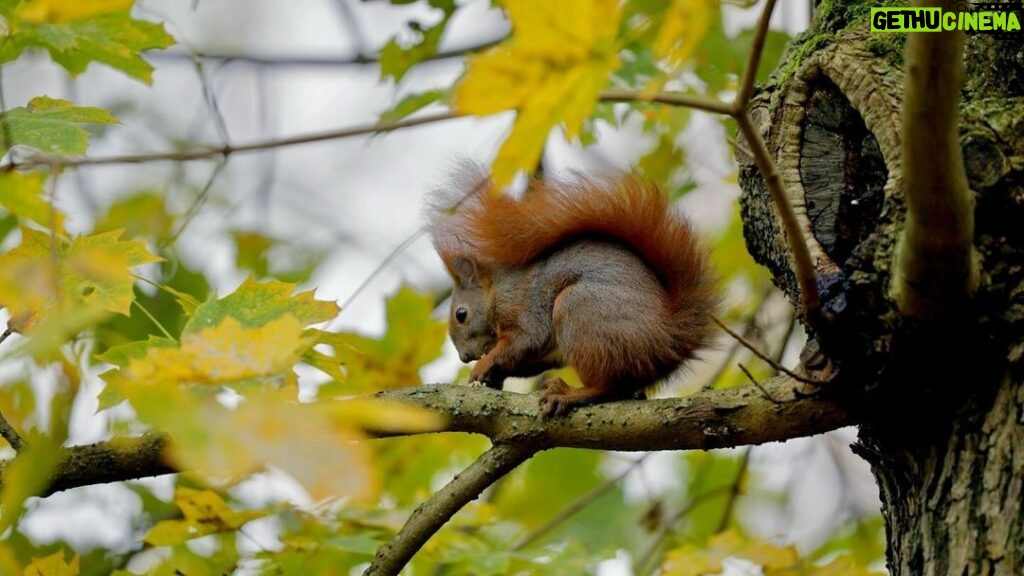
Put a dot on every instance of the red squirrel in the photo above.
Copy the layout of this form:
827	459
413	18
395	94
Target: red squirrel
598	274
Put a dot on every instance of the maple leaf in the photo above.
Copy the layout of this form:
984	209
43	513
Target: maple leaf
78	32
46	273
52	125
550	71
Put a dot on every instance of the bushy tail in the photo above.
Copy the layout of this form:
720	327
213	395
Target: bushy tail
625	209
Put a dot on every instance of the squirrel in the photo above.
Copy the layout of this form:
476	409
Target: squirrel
599	274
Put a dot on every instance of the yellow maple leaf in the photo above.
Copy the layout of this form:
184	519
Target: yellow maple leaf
224	354
205	513
550	72
41	11
46	273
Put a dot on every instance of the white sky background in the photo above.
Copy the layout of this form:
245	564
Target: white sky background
359	197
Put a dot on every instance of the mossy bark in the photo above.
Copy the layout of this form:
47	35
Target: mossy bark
943	401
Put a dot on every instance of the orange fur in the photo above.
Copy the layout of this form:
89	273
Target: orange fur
507	239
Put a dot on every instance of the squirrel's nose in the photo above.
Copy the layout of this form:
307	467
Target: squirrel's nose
466	358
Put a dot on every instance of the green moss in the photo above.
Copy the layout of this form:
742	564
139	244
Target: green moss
801	49
888	47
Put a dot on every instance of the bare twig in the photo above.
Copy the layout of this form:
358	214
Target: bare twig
211	103
753	349
312	61
734	489
757	384
40	160
671	98
754	61
198	203
428	518
803	267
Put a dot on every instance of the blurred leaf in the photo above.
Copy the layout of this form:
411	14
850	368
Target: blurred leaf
661	161
396	59
555	479
52	125
139	215
53	565
225	445
113	38
551	71
184	562
205	513
254	304
864	541
693	560
414	103
26	476
22	196
684	25
411	464
413	339
254	252
710	480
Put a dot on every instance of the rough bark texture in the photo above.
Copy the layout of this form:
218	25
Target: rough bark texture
943	403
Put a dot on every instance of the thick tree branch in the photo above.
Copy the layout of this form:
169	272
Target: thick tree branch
112	461
934	273
435	512
708	419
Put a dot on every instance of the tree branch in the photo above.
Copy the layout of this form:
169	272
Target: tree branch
47	160
435	512
111	461
933	270
10	434
708	419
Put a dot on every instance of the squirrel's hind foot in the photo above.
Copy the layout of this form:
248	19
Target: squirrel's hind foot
558	398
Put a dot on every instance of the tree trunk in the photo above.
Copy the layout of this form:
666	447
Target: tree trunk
943	403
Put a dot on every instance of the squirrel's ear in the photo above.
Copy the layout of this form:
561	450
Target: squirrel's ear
465	271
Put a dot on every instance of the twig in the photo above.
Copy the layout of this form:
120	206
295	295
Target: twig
803	267
432	514
39	160
753	349
9	433
580	503
211	102
198	203
671	98
312	61
734	489
758	384
754	61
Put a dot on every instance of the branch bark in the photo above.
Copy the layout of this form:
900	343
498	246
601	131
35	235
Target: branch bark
435	512
934	273
708	419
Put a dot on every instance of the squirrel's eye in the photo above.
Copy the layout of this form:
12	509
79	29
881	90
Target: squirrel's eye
460	315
